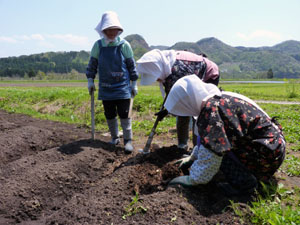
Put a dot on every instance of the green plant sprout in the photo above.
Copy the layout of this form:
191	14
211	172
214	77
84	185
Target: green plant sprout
134	207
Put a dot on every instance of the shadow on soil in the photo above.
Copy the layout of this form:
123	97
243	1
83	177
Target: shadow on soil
78	146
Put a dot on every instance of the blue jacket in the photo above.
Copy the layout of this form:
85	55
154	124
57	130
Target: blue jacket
115	71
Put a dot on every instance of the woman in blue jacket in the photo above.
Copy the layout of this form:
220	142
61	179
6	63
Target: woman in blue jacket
112	58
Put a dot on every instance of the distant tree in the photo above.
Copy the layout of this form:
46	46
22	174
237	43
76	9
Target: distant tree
41	75
31	73
74	75
26	77
270	74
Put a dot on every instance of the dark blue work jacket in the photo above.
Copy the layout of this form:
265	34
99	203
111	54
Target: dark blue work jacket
114	81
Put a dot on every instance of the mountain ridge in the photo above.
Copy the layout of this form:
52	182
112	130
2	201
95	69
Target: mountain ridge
234	62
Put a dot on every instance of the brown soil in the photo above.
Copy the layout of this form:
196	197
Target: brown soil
52	173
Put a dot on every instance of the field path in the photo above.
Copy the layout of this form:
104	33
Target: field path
277	102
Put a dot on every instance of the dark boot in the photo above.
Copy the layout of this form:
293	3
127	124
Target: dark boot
230	190
182	125
127	135
114	131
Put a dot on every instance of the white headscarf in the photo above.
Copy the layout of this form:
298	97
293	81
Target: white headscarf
154	65
109	19
187	94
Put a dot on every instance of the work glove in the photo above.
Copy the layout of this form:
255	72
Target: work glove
91	85
161	114
185	162
134	88
185	181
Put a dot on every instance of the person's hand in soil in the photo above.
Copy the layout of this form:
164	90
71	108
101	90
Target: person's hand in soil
185	181
185	163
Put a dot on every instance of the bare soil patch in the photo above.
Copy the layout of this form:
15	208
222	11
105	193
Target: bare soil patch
52	173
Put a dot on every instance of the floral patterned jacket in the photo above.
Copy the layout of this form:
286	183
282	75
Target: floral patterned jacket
228	123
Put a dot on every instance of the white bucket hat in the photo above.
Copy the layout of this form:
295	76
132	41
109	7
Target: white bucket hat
109	19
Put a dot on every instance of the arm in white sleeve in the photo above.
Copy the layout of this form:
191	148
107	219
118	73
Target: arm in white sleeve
205	167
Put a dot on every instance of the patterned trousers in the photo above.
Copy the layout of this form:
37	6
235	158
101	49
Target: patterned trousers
236	174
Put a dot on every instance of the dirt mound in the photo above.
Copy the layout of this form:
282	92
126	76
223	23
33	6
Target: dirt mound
52	173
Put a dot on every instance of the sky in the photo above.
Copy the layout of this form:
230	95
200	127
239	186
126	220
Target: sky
35	26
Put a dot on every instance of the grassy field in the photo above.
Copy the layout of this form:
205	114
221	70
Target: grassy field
281	92
72	105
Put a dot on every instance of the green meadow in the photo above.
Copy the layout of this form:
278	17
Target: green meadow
289	91
72	105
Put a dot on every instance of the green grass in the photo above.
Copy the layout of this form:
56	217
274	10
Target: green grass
72	105
280	92
276	205
289	118
40	81
55	103
291	166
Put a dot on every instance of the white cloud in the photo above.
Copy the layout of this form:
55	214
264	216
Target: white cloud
260	34
23	37
37	37
259	38
18	38
66	38
31	37
23	44
46	44
71	39
8	39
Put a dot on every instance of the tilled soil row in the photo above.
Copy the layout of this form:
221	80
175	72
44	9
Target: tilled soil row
52	173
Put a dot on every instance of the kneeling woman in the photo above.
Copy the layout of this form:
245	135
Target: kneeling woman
236	136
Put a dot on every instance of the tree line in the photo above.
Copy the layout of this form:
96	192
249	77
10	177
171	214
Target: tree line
56	62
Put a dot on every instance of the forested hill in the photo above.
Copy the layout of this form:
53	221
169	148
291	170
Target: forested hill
58	62
241	62
283	59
